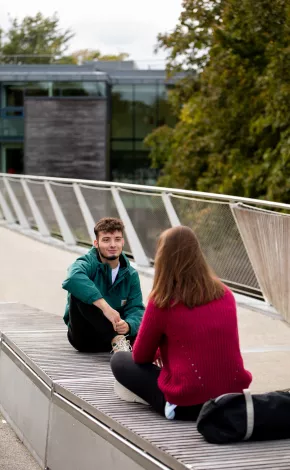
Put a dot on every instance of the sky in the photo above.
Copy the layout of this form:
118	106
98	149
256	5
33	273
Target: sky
112	26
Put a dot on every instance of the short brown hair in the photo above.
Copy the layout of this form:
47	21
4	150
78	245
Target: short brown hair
109	224
182	274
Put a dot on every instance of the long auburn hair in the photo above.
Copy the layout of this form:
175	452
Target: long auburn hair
182	274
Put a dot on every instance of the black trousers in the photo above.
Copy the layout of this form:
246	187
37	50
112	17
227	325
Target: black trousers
141	379
89	330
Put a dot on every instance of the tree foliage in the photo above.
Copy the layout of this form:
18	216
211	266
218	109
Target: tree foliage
35	39
233	133
86	55
40	40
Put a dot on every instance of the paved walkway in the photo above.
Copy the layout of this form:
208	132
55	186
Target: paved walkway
32	272
13	454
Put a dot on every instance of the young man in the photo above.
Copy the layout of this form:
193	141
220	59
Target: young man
104	296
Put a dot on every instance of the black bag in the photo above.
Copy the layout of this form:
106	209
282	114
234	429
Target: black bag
241	416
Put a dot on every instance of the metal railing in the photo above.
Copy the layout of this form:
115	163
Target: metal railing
246	241
12	112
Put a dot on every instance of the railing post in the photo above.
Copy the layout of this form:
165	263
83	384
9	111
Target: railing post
22	219
6	210
65	230
172	216
135	244
88	218
39	220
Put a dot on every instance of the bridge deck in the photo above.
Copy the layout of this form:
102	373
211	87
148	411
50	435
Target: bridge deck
39	341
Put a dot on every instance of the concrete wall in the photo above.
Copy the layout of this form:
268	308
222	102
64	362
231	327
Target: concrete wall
66	138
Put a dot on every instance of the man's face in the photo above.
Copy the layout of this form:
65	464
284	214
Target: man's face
110	245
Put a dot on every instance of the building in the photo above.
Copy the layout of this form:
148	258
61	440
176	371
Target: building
85	121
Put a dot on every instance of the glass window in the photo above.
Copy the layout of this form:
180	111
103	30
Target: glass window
122	111
145	109
165	114
96	89
122	145
14	95
131	165
15	92
144	174
12	127
122	161
14	160
139	145
37	89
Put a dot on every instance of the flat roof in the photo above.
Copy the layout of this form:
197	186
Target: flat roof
111	72
142	76
53	72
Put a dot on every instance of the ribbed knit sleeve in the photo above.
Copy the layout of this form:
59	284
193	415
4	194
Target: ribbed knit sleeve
149	335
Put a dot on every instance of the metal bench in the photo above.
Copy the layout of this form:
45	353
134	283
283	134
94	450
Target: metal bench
62	405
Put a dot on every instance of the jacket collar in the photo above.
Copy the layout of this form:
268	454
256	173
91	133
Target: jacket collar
124	262
124	268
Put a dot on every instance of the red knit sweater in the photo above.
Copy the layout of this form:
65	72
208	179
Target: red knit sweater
199	349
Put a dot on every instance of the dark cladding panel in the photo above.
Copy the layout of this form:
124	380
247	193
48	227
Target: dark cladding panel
66	138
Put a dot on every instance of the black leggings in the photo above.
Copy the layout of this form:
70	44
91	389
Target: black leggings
141	379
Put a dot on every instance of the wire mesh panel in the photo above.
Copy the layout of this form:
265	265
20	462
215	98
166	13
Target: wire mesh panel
101	204
67	200
40	196
20	195
7	198
148	216
267	238
211	218
219	237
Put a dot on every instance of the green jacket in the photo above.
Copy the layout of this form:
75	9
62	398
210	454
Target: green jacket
89	280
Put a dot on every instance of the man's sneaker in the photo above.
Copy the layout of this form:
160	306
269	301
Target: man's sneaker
121	344
126	394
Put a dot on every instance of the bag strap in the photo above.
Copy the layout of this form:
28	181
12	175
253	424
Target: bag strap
250	413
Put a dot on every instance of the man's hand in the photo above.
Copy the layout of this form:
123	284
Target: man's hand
122	327
113	316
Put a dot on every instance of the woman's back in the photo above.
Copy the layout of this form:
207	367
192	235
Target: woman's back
191	320
199	349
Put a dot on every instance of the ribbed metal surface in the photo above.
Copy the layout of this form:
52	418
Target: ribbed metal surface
18	317
52	353
86	380
180	440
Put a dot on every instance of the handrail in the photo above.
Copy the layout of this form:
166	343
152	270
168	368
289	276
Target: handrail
220	197
245	240
7	112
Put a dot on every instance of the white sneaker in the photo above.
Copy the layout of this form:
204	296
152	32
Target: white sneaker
126	394
121	344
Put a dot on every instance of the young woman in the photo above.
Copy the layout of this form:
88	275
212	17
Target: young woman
190	324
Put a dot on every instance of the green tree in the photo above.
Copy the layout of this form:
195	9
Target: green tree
35	39
40	40
233	134
86	55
